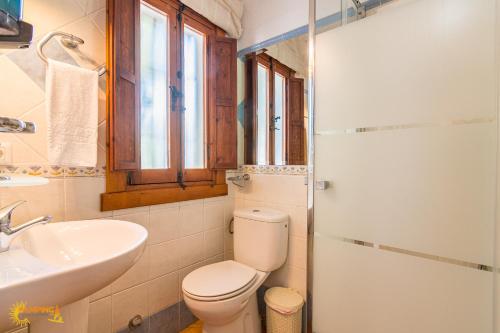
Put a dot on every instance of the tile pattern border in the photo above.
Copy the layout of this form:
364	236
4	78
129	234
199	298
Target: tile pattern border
50	171
300	170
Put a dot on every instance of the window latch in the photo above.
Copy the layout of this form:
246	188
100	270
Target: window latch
180	180
174	95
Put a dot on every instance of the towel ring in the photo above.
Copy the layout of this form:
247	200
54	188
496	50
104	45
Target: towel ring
68	40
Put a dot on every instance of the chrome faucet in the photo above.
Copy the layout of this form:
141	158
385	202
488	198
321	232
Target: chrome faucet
8	233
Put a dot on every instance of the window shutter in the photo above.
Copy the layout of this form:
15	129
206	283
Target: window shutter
250	150
295	128
125	108
224	121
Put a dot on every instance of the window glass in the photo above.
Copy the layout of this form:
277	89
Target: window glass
262	114
279	112
194	99
154	85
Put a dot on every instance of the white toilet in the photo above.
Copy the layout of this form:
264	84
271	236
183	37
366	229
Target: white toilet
223	295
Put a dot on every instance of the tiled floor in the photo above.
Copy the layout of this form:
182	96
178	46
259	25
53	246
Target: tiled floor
196	327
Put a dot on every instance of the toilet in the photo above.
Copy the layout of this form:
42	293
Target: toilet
224	295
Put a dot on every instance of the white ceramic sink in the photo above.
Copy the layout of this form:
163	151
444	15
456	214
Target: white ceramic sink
60	263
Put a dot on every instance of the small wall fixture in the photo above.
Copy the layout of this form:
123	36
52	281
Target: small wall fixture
239	180
68	40
11	125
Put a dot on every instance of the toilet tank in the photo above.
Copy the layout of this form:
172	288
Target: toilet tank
260	238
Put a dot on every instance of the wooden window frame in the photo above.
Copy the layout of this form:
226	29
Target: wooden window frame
169	175
134	188
274	66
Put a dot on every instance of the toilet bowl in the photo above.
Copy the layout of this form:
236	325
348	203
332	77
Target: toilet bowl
232	308
224	295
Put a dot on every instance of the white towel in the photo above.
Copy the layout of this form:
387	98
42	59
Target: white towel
72	110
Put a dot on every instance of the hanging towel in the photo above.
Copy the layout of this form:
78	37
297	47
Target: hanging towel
72	110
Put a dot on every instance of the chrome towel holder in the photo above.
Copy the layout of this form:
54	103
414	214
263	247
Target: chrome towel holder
68	40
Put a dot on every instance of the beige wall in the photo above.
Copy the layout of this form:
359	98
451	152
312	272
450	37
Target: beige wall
263	19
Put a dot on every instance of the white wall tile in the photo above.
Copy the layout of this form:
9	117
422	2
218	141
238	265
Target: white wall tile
191	218
128	211
49	15
213	214
215	259
297	252
94	5
164	258
21	93
164	224
100	316
38	140
127	304
228	240
229	206
137	274
191	249
106	291
164	206
40	201
214	242
229	255
141	218
99	19
163	292
277	188
83	200
22	153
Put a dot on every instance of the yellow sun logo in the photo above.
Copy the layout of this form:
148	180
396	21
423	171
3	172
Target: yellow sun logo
15	314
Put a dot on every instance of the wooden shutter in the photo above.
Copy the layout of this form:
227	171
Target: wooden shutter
250	144
295	122
124	113
224	131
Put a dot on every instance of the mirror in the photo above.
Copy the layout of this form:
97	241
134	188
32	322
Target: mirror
272	91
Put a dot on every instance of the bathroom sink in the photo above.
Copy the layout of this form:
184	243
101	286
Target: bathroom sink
60	263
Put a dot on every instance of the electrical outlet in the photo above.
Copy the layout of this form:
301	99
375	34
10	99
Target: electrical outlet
5	153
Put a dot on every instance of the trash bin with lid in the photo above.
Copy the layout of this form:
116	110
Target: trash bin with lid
283	310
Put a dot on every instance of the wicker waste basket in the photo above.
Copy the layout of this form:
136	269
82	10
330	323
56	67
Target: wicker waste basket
283	310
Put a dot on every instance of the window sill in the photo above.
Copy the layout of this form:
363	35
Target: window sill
156	196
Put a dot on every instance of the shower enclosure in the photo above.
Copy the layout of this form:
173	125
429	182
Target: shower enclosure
403	171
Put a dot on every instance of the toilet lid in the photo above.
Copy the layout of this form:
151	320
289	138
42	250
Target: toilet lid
219	279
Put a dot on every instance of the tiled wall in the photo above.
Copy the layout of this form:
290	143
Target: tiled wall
23	73
182	236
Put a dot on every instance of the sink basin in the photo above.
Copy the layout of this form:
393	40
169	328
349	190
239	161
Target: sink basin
60	263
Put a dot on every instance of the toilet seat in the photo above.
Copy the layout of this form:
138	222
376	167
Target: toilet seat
219	281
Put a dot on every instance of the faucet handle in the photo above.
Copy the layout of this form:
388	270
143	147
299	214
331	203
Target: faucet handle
6	212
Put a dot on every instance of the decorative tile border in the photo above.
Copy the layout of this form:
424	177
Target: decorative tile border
50	171
300	170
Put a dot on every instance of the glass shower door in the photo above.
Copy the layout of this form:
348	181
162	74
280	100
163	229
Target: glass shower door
405	134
